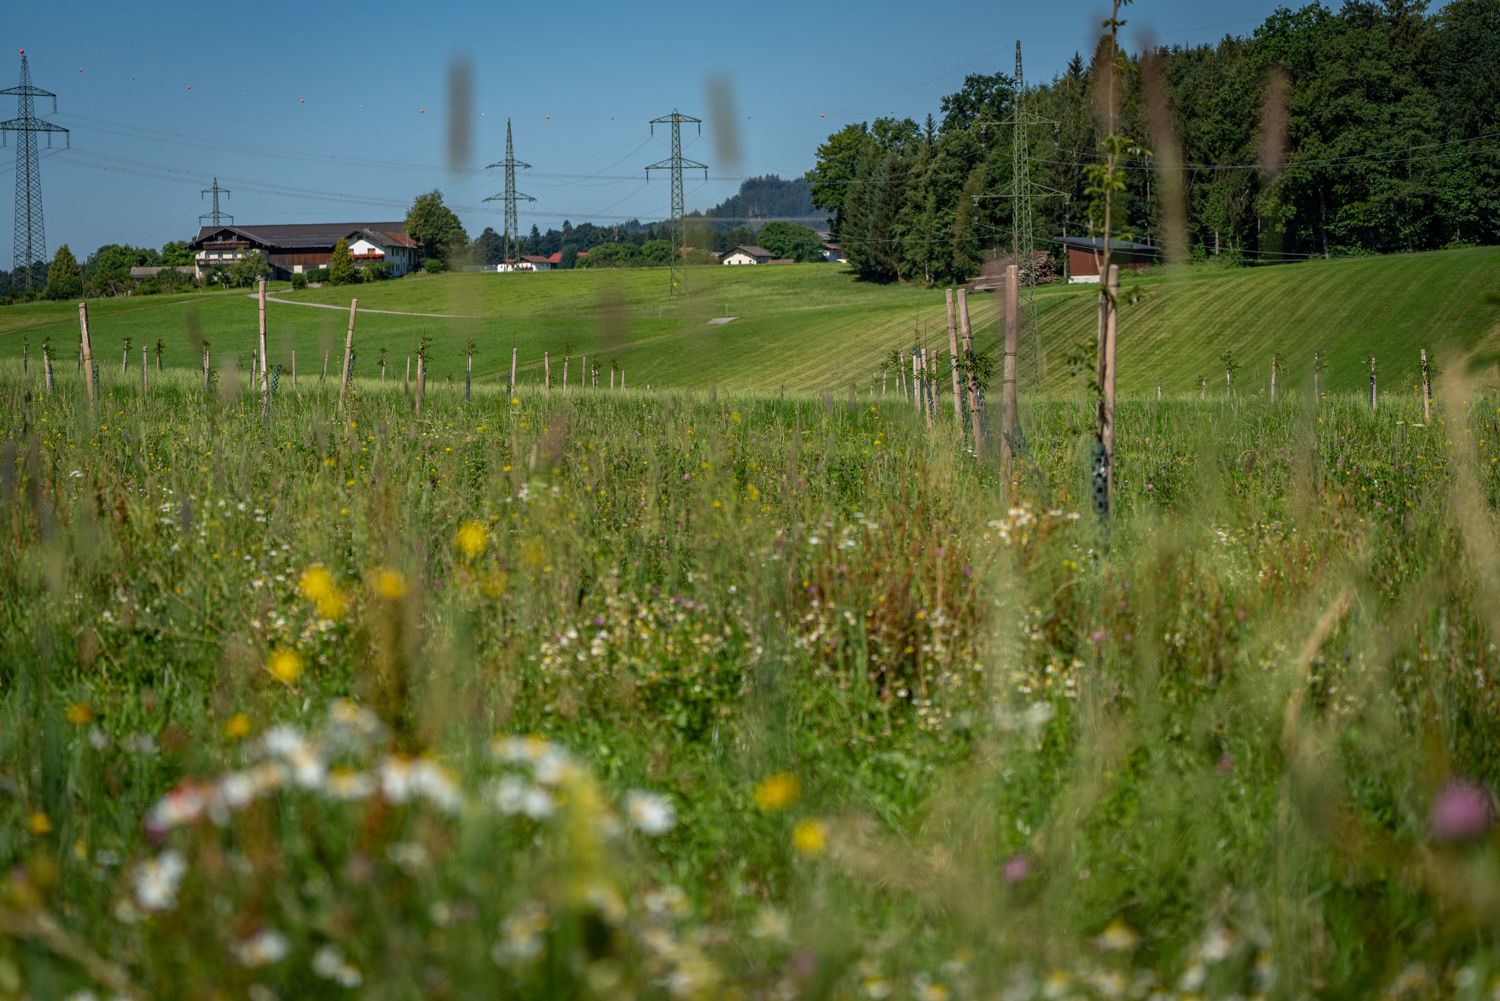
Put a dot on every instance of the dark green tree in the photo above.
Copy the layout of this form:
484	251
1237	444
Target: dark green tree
437	228
791	240
64	278
341	268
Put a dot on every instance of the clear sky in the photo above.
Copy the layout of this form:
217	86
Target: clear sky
340	112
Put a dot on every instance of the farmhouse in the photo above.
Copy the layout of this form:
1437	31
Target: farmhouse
297	248
1083	265
748	255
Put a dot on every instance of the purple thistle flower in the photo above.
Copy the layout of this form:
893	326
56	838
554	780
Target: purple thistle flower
1463	809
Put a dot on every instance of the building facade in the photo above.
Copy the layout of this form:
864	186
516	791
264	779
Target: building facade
301	247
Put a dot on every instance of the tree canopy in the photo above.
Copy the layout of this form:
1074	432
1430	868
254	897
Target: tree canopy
1365	130
64	279
341	267
437	227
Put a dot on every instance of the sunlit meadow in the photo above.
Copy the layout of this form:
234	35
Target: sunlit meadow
695	695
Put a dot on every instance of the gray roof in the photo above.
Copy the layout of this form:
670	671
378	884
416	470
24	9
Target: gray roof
752	251
1095	244
297	236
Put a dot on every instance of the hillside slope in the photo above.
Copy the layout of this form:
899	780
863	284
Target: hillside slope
814	328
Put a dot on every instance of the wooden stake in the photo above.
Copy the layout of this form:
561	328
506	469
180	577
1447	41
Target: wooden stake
324	377
1105	453
86	347
1317	376
565	375
406	385
265	368
1426	391
294	370
1373	398
421	379
512	372
469	372
929	403
208	372
611	380
145	357
975	414
583	373
125	360
1008	418
958	403
348	353
547	372
47	367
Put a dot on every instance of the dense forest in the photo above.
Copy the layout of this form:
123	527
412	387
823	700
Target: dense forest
1372	129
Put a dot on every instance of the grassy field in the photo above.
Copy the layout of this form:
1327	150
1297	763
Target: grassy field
711	694
813	328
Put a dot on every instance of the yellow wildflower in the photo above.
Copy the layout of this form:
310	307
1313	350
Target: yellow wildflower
390	584
237	727
318	587
40	823
471	539
79	713
777	792
285	666
810	838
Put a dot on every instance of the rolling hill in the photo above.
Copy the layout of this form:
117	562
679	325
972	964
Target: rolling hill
814	327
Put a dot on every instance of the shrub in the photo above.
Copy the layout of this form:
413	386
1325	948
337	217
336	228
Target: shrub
299	281
377	272
318	275
432	266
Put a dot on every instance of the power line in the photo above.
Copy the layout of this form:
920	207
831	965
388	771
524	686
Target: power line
30	244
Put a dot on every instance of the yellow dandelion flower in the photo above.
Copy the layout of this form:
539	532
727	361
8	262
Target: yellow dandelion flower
237	727
317	586
471	539
1118	937
390	584
810	838
777	792
285	666
40	823
79	713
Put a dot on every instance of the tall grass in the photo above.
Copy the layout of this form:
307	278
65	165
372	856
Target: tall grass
815	706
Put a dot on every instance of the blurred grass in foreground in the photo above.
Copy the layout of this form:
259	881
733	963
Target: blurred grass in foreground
688	695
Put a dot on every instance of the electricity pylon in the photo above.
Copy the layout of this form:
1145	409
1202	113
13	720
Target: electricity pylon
31	236
675	163
511	196
216	218
1020	191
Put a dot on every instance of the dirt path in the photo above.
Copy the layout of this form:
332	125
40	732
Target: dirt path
386	312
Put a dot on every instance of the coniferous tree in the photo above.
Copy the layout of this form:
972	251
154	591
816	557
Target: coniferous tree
64	279
341	268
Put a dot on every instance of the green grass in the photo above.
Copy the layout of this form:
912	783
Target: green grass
1197	752
813	328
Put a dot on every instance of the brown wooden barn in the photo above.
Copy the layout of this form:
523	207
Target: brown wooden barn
1083	264
297	248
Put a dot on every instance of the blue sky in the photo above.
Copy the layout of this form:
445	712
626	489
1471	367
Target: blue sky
339	112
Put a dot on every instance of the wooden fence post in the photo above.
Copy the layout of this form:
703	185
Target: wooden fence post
1008	418
1273	378
265	368
1426	391
583	372
421	377
47	367
86	347
958	404
1373	398
565	375
512	373
1104	453
294	370
348	352
406	384
145	357
208	372
547	372
1317	376
976	412
469	371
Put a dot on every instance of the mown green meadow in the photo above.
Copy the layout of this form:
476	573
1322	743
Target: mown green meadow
710	693
814	328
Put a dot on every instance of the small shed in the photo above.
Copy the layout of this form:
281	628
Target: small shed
1083	259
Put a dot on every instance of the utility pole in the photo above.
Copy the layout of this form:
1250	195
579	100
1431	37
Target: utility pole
215	218
675	163
511	196
31	238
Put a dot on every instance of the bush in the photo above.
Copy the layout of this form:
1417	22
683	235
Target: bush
432	266
318	275
299	281
377	272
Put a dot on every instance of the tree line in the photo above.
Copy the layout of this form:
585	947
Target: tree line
1372	129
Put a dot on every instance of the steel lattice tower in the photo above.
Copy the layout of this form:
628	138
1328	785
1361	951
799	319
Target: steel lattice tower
31	237
1023	236
216	218
675	163
511	196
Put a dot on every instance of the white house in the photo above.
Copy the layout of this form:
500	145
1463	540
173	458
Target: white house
748	255
399	251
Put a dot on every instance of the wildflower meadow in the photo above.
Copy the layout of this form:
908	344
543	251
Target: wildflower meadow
692	694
